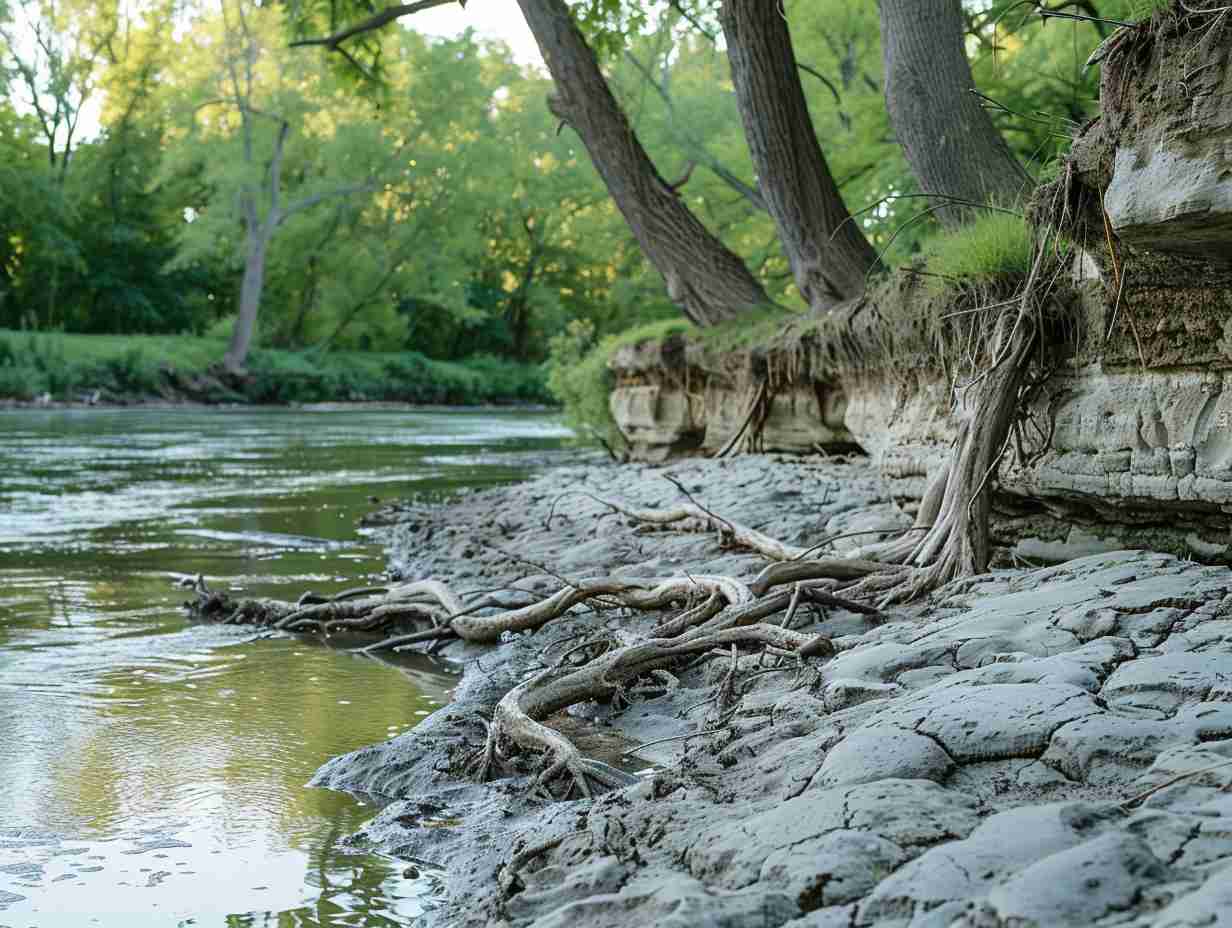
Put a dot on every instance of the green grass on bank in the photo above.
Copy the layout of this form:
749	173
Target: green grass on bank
131	366
992	246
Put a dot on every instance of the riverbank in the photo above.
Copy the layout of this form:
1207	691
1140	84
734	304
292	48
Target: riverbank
1047	746
60	369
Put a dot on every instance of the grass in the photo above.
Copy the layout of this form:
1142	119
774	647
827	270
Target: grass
992	246
67	366
753	328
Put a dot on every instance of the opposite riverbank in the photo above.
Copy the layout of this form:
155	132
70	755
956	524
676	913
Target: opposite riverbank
57	368
1032	747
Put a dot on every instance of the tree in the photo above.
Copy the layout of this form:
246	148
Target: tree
56	72
829	254
950	142
708	281
354	274
704	278
256	97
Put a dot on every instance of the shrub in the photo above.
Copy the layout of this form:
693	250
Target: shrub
579	376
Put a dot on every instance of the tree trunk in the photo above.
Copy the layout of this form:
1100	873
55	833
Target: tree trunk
250	302
705	279
949	140
829	256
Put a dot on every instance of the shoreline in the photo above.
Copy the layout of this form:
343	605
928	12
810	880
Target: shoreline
1085	708
9	404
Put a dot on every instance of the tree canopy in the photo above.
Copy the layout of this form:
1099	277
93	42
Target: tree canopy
426	195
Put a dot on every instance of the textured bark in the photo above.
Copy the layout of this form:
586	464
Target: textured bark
949	140
829	256
704	278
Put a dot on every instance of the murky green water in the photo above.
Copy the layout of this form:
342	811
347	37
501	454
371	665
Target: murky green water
151	773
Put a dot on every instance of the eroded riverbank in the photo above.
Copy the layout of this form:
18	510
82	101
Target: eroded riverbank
1038	746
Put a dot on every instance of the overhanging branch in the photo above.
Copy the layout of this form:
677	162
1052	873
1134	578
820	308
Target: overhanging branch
376	21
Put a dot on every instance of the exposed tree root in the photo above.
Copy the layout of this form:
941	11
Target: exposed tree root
518	715
733	532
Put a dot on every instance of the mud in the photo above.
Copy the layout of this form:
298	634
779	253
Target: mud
1048	746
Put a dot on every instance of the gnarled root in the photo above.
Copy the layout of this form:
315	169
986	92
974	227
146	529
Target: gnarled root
517	718
735	533
958	501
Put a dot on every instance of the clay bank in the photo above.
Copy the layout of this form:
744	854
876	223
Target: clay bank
754	689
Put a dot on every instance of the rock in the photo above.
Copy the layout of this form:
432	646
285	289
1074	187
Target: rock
902	812
1209	906
934	773
1168	681
1081	885
981	723
869	755
1104	748
954	873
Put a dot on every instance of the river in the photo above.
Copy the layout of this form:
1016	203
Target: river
152	772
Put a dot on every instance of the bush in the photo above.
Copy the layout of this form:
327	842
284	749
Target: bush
579	376
130	372
31	365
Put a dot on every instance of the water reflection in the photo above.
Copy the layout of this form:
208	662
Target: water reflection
154	773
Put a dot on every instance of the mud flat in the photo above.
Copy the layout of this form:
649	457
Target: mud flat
1034	746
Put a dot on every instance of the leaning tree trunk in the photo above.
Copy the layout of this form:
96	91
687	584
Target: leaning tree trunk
829	255
704	278
950	142
250	302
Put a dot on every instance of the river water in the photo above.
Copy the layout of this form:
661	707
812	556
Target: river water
152	772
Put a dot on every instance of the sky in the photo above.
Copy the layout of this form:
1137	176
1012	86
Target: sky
491	19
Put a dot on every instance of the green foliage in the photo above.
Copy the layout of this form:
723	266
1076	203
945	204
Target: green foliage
490	230
579	376
579	379
990	246
750	329
70	366
1140	9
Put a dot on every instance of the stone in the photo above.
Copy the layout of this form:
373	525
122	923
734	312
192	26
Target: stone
980	723
1081	885
1168	681
869	755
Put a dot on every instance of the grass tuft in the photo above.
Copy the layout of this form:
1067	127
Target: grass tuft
991	246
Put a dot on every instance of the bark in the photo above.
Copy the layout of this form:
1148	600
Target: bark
949	140
704	278
250	302
829	255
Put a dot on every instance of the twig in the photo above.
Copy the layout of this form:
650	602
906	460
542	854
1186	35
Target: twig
372	23
689	496
875	531
696	734
1142	797
414	638
1057	14
792	606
